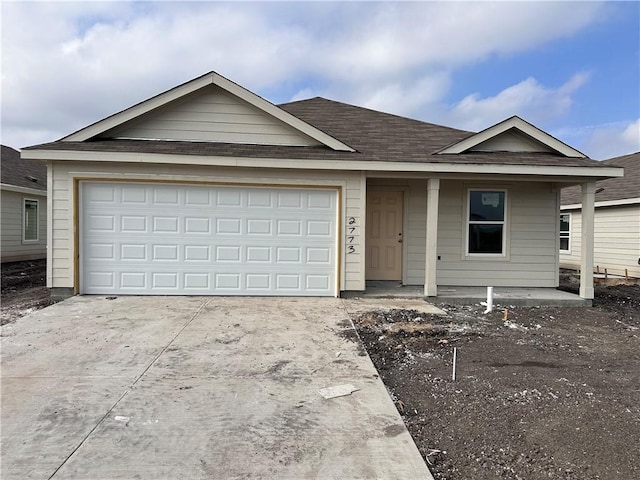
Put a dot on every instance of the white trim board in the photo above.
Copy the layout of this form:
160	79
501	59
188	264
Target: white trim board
519	124
338	165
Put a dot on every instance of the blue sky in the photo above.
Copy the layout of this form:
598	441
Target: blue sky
571	68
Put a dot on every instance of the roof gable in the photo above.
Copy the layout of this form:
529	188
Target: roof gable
512	135
209	108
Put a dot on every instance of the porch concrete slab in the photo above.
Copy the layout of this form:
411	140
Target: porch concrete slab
529	297
516	296
195	387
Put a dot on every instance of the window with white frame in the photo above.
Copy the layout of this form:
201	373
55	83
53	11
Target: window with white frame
486	222
565	232
30	220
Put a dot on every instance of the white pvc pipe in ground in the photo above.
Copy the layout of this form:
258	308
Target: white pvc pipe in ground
489	300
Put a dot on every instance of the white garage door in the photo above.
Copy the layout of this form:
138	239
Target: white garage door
175	239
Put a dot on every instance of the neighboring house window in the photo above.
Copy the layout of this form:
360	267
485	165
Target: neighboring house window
486	222
565	232
30	232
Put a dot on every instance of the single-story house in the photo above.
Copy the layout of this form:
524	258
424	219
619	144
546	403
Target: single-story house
208	188
23	186
616	222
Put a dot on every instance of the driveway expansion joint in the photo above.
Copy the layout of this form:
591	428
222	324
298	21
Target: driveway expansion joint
131	387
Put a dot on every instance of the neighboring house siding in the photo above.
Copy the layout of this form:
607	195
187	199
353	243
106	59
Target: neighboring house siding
14	248
531	239
61	273
214	116
616	240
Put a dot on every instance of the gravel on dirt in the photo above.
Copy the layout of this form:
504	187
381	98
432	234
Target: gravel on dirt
540	393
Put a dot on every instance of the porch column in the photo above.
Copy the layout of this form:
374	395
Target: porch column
431	253
586	250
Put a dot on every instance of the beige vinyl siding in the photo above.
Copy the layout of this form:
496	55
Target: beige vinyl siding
63	173
616	240
213	115
415	232
531	243
355	202
14	248
531	238
511	141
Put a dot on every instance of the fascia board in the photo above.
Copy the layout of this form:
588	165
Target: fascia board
138	110
579	173
29	191
524	127
608	203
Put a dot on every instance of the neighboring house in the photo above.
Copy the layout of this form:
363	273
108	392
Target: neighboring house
617	222
209	189
24	207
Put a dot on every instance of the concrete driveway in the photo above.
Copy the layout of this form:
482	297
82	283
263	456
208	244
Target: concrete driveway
195	387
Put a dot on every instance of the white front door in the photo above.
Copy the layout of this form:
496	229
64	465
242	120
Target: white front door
177	239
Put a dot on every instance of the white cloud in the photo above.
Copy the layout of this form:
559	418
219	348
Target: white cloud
67	64
527	99
613	140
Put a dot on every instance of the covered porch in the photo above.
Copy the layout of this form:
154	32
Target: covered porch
430	226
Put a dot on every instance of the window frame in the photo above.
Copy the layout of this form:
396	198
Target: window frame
504	222
568	233
25	218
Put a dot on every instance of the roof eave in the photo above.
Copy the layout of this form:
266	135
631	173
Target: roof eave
607	203
595	172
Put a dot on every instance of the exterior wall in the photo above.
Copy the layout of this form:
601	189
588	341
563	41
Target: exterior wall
616	240
511	141
61	272
531	259
531	241
414	224
532	235
214	116
14	248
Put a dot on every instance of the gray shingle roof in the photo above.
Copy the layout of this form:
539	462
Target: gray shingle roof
19	172
613	188
375	136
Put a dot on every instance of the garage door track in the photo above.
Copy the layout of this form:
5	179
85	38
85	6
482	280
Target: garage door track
195	387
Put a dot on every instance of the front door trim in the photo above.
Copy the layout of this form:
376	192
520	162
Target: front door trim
403	225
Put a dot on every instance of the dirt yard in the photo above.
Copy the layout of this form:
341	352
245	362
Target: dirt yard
23	289
540	393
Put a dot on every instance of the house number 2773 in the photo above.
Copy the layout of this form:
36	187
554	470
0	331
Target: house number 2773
353	235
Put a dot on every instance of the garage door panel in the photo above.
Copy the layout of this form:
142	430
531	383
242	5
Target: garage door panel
133	195
133	224
163	239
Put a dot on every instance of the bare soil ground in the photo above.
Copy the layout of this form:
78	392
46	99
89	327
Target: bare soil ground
540	393
23	289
